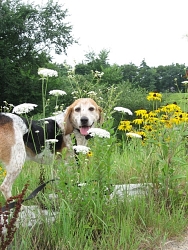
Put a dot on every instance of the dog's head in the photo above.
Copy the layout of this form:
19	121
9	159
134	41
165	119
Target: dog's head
83	114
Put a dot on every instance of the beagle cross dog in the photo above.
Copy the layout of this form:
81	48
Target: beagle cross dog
21	139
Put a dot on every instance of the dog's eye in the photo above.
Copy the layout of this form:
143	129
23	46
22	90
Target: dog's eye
91	108
77	109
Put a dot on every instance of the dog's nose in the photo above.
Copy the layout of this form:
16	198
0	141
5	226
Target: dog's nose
84	120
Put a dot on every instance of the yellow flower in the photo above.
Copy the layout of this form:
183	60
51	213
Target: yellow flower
154	96
171	108
152	114
141	112
152	120
142	133
125	125
89	154
138	121
148	127
183	117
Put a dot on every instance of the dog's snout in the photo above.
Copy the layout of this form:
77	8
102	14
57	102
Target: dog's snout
84	120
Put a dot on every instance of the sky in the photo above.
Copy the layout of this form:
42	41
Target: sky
132	30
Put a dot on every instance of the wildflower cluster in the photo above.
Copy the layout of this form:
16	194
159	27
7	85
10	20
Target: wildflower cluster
153	96
147	123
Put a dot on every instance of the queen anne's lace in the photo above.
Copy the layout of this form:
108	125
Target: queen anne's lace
102	133
43	72
81	149
24	108
57	92
124	110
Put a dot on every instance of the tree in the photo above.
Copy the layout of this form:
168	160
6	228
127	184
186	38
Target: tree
170	75
93	62
130	72
27	35
146	77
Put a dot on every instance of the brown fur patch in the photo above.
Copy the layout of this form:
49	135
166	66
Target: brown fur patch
7	138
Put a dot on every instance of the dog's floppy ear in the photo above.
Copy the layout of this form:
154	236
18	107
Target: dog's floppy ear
68	128
101	118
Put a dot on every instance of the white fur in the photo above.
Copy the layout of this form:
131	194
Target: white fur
18	156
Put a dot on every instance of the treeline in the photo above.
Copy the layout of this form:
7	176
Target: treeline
27	35
160	79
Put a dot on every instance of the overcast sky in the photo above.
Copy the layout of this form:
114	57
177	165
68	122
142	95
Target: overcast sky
132	30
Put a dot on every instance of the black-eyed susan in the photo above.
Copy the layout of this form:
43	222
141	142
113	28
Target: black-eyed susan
138	121
141	112
171	108
142	133
125	126
152	120
89	154
148	127
152	114
154	96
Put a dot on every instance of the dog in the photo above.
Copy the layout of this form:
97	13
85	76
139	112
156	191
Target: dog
22	140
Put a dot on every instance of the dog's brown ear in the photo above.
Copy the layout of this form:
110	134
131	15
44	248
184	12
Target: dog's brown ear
68	128
101	118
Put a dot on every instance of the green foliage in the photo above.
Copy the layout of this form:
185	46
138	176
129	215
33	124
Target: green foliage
27	34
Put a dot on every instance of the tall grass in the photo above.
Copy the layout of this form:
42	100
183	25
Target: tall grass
87	216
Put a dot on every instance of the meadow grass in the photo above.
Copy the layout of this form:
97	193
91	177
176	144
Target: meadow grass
180	98
88	218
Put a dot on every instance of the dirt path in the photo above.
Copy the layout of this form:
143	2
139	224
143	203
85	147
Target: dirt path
177	244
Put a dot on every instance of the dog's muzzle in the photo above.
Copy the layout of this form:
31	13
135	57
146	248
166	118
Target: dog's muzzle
84	121
84	125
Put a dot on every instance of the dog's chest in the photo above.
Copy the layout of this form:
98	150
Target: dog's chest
43	139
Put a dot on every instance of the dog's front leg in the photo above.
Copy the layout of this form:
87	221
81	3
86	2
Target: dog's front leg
14	166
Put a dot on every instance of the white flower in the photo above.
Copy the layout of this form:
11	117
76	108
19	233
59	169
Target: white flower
81	149
102	133
185	82
98	74
124	110
133	135
57	92
92	93
52	140
37	131
24	108
47	72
